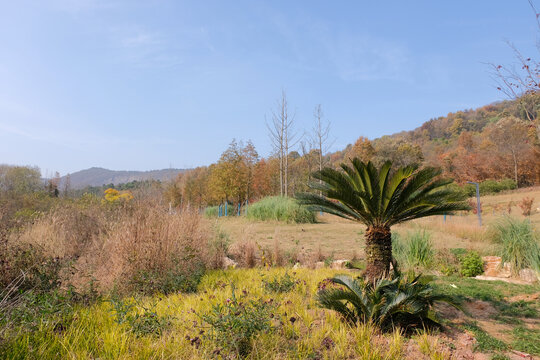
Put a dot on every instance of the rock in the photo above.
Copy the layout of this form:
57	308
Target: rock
229	263
491	265
493	268
506	271
495	278
528	275
339	264
319	265
514	354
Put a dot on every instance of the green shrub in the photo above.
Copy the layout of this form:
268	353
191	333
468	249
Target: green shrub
472	264
29	310
41	273
518	243
280	209
234	323
174	280
493	187
486	187
403	301
415	251
143	323
280	284
447	262
459	253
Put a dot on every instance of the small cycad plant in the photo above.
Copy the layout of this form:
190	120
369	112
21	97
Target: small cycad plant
398	301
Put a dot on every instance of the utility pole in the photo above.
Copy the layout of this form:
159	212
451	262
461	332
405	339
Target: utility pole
478	210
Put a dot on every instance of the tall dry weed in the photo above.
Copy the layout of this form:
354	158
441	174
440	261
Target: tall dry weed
154	241
244	251
111	245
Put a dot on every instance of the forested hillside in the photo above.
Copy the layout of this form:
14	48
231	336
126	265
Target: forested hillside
495	142
98	176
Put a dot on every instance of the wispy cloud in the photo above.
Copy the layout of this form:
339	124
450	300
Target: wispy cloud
80	6
143	48
354	56
358	58
140	40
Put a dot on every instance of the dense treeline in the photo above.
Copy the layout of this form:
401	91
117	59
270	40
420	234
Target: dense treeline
496	142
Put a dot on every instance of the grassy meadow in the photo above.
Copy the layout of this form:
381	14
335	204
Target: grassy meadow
137	282
343	239
299	329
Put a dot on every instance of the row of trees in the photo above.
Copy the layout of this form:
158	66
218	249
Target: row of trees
493	142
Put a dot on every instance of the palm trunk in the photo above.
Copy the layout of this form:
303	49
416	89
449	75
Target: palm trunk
378	252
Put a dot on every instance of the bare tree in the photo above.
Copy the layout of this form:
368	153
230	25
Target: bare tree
321	135
520	81
67	186
283	139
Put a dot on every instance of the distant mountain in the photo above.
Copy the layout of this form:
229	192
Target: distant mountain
98	176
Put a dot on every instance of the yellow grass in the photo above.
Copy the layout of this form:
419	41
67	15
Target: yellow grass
94	333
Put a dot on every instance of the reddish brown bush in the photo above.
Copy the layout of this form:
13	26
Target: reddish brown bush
526	206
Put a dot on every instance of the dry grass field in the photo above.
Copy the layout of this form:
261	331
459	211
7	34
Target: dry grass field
342	239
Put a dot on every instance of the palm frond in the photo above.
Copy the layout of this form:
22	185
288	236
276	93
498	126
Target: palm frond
382	197
404	301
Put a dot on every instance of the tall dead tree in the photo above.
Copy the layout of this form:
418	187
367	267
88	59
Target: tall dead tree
320	135
283	137
520	81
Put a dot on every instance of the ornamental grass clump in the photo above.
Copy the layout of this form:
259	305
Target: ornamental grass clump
280	208
518	244
415	251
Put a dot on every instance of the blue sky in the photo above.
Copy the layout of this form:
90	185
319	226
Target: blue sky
143	85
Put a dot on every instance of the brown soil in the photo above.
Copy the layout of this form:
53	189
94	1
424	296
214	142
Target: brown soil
524	297
479	309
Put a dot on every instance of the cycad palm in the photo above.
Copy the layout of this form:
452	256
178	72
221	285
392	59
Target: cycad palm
405	301
380	198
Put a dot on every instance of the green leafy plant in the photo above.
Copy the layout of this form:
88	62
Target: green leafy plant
458	253
380	198
141	323
280	284
173	280
472	264
234	323
404	301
